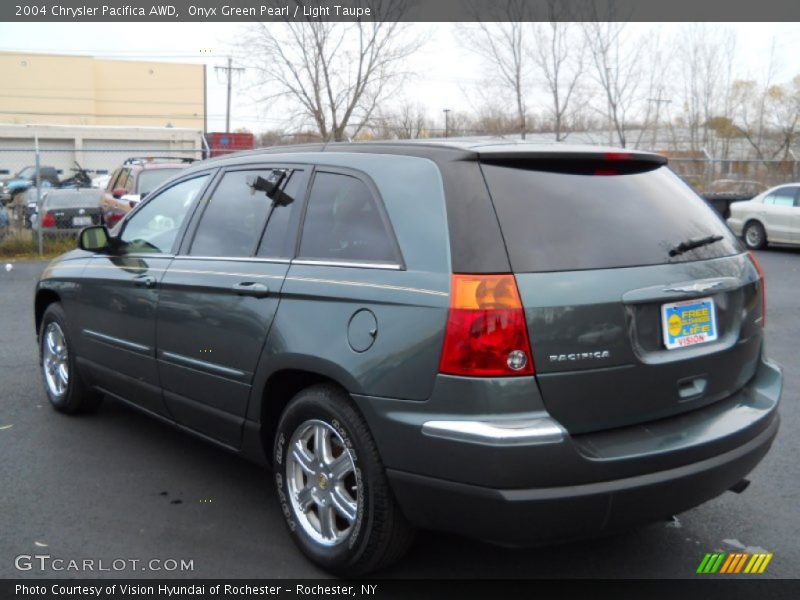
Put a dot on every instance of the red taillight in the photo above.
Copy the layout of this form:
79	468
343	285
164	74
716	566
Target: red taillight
49	220
763	285
486	334
612	156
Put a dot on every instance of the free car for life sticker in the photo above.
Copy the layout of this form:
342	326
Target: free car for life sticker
688	323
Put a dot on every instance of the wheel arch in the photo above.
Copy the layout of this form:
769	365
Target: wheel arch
279	388
44	298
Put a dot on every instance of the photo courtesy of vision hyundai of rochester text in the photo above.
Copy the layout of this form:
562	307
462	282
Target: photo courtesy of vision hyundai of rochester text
517	343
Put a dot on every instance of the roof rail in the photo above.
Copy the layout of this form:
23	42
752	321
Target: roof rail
142	160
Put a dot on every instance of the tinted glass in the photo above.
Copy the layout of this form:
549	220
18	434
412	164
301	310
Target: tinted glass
233	218
150	179
84	198
782	197
274	241
561	221
112	181
155	225
343	222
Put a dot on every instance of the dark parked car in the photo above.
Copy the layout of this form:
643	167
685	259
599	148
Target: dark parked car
67	211
514	342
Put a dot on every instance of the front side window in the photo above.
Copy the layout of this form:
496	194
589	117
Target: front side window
273	243
112	181
343	222
234	217
154	227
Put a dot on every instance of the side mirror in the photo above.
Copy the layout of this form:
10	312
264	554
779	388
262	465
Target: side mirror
94	238
133	203
119	192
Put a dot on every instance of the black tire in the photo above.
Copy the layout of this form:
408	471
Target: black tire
77	398
380	534
754	236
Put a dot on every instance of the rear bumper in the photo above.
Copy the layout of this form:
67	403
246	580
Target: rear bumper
539	484
524	516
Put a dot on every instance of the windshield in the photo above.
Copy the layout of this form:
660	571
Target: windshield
562	221
152	178
27	173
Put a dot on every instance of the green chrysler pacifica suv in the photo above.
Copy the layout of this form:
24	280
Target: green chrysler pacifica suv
513	342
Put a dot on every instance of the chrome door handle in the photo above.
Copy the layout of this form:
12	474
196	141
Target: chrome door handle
144	281
251	288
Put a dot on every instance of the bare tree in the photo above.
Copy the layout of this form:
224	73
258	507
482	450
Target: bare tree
333	74
502	45
768	115
408	122
559	55
617	71
705	64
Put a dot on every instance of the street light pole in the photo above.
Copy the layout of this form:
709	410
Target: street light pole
446	122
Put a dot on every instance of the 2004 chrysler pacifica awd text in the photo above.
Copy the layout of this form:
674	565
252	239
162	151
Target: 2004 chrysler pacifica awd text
512	342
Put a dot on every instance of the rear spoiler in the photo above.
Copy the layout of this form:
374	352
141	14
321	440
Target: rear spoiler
578	163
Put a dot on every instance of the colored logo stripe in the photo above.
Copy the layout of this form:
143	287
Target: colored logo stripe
734	563
711	563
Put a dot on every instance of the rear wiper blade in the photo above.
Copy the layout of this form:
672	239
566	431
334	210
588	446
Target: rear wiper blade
692	244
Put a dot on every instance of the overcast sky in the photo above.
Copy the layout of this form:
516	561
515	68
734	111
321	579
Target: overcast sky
447	74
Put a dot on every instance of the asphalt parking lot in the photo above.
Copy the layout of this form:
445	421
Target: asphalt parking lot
118	485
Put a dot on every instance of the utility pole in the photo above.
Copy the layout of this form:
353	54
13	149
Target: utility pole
446	122
228	70
608	98
658	102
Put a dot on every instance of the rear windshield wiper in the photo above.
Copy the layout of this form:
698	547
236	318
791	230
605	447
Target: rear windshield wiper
692	244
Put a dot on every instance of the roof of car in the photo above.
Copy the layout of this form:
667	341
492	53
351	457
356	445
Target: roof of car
453	148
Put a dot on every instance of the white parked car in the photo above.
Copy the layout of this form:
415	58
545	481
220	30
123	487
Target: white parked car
771	217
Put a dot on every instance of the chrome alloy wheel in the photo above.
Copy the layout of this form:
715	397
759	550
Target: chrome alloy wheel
753	236
322	483
54	360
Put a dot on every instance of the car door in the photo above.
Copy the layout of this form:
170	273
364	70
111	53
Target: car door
780	214
220	294
119	294
794	221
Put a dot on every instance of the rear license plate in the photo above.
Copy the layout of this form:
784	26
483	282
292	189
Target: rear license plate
81	221
688	323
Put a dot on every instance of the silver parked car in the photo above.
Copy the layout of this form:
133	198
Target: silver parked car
771	217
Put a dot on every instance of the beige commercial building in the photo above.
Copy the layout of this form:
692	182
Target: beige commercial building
82	90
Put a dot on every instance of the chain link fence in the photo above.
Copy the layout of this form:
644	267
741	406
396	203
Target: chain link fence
48	195
719	176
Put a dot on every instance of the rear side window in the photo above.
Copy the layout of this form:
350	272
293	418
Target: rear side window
344	222
563	221
233	218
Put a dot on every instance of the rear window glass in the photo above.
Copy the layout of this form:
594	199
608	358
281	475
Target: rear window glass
561	221
73	199
151	179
